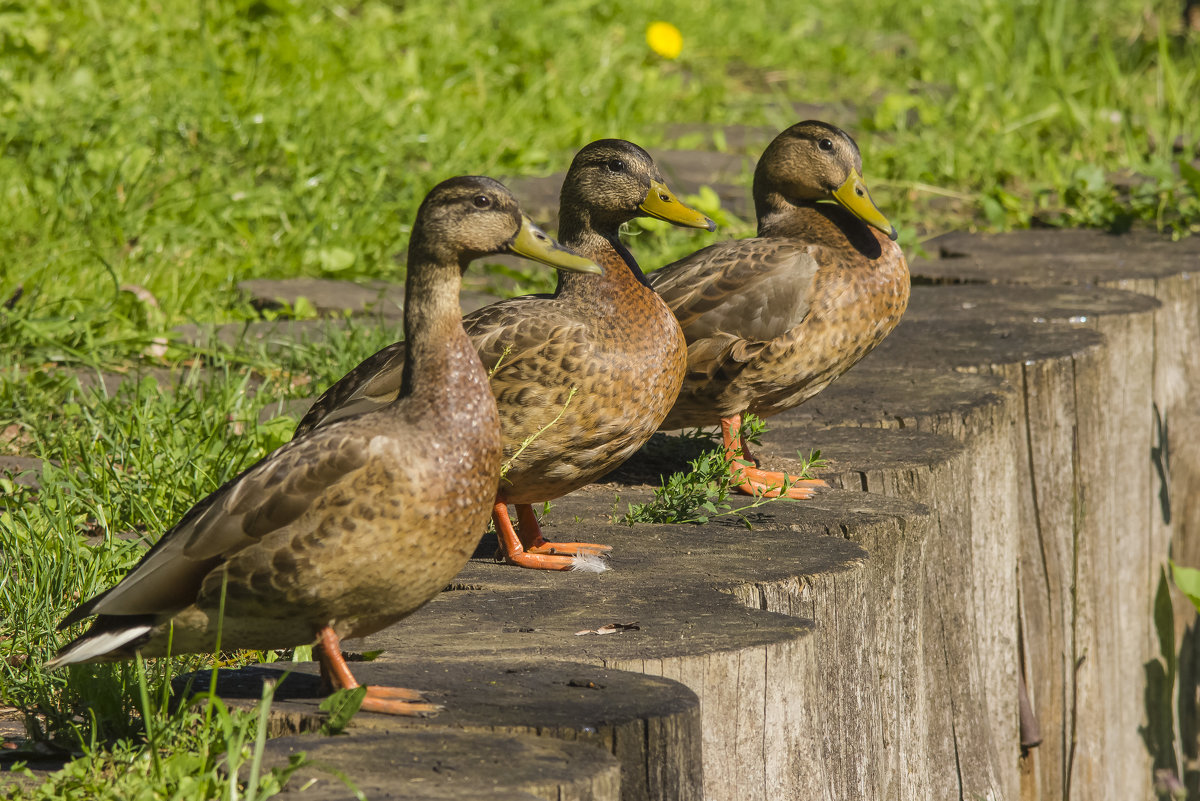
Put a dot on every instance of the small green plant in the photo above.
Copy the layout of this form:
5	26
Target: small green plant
689	497
810	464
341	706
529	440
702	492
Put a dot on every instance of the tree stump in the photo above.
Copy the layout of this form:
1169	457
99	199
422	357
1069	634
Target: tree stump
651	725
755	671
1097	523
1011	467
447	765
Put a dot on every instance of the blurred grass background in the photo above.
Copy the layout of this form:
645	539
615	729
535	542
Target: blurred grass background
182	146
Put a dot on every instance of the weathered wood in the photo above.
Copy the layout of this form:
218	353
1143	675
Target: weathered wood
756	673
1181	508
447	765
1143	262
651	725
1090	574
945	633
1046	257
894	394
999	518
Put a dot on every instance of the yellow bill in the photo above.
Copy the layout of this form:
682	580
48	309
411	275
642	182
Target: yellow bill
534	243
661	204
853	195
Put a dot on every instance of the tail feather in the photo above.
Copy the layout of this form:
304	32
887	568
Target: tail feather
102	642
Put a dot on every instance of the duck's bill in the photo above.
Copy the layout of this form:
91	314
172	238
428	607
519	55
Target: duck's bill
661	204
854	196
534	243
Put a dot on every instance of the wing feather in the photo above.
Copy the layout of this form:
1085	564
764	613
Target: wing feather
373	384
515	333
733	298
266	497
756	289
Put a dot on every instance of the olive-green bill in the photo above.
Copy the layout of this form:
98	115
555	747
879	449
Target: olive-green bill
854	196
534	243
662	204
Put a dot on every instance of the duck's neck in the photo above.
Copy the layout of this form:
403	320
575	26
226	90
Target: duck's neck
438	352
819	222
778	216
602	244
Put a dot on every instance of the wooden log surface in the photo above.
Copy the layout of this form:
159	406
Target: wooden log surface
446	765
650	724
1106	522
680	584
1010	420
1003	505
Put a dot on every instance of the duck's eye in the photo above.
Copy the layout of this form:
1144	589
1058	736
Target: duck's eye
482	201
825	144
616	165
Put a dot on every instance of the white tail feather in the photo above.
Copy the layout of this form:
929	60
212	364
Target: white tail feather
97	646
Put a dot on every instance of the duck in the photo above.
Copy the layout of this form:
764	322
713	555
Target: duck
584	376
347	529
772	320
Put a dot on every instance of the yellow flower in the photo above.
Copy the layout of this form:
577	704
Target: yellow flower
664	39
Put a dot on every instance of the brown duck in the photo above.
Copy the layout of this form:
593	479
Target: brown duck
582	377
348	529
771	321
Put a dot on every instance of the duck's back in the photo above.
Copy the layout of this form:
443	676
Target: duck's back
772	320
589	374
582	379
331	529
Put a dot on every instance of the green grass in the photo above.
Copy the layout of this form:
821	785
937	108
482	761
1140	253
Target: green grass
152	154
196	752
181	147
119	471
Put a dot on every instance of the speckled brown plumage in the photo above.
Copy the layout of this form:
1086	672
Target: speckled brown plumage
348	528
771	321
610	338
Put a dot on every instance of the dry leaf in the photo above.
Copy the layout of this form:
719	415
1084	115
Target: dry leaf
611	628
141	293
157	350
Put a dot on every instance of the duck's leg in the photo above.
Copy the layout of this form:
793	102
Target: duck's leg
747	454
530	532
753	481
387	700
530	550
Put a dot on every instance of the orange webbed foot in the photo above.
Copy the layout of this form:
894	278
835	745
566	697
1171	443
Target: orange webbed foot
750	480
395	701
533	542
383	700
767	484
531	550
568	549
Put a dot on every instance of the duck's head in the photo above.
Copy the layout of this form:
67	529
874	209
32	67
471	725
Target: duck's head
816	161
465	218
612	181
